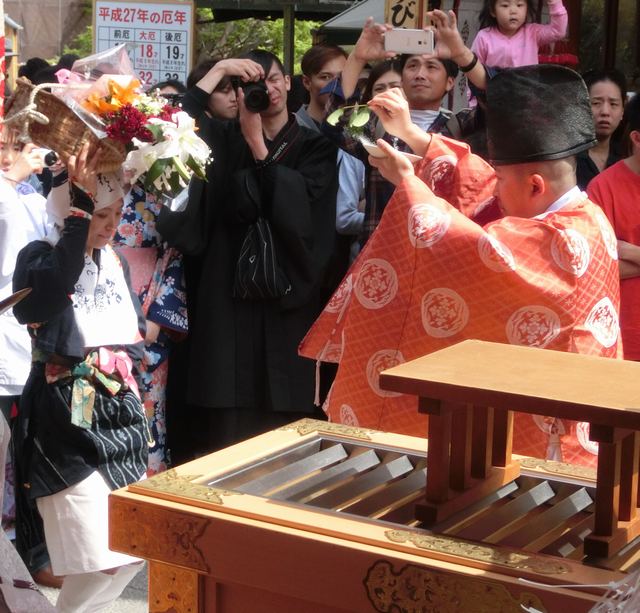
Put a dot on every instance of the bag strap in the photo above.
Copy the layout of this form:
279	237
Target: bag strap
282	144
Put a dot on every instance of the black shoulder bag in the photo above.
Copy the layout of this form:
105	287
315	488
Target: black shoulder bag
258	275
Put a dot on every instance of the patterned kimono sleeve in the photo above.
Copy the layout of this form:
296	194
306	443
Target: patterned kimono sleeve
169	305
457	175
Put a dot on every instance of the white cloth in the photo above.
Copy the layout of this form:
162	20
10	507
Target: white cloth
23	218
109	190
76	528
423	119
571	196
102	304
93	592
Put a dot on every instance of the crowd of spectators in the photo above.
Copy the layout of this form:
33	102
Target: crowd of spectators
210	363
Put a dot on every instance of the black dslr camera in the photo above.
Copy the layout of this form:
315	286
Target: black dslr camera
256	95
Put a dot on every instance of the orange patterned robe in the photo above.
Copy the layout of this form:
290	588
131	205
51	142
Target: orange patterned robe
430	277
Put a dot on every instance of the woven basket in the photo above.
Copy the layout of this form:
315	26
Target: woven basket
66	132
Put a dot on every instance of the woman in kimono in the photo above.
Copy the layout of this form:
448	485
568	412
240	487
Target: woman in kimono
157	279
81	431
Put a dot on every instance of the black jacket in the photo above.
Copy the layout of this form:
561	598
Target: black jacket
244	353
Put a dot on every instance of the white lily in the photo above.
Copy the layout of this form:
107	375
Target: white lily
179	142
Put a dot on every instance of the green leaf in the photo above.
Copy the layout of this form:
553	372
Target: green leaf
360	117
183	171
156	131
157	168
334	118
198	171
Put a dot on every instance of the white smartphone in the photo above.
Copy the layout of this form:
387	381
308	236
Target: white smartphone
406	40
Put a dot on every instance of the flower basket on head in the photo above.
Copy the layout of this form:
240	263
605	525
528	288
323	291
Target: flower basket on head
46	120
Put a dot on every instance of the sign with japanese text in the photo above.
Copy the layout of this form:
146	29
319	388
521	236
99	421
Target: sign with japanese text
403	13
158	34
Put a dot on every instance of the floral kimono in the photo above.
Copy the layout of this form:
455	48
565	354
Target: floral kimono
157	278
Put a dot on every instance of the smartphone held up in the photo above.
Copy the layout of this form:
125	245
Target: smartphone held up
407	40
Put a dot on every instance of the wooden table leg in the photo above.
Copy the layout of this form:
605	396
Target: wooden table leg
629	477
502	437
461	431
173	589
482	442
438	464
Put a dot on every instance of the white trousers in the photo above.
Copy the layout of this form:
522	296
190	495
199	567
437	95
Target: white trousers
92	592
76	528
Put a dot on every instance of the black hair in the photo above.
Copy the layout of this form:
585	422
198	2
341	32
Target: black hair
449	65
67	60
317	56
45	75
631	119
266	59
177	85
379	69
487	20
591	77
31	67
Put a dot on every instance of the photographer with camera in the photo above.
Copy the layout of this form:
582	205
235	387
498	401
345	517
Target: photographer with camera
271	189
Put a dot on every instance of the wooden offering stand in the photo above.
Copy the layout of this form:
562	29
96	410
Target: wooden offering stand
470	391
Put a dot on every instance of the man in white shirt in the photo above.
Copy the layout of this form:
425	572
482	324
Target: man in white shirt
23	218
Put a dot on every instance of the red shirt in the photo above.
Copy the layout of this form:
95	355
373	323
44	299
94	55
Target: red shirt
617	191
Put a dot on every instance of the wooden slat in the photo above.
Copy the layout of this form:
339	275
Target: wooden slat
546	524
357	465
508	513
475	512
392	495
363	459
234	479
571	543
305	466
364	484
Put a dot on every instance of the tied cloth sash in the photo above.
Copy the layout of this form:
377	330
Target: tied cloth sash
113	370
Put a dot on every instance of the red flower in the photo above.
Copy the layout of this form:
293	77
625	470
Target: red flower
127	123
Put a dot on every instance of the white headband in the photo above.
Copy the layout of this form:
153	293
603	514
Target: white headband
109	189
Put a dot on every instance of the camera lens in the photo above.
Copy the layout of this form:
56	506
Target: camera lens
256	96
50	158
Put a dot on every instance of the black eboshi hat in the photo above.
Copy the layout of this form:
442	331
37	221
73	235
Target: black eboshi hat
537	113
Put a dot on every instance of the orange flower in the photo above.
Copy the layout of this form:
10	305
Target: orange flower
118	96
124	95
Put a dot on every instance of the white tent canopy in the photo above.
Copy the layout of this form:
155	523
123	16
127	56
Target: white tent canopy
355	16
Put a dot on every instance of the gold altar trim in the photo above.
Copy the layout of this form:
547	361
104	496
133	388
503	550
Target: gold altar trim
414	588
170	482
565	469
308	426
479	552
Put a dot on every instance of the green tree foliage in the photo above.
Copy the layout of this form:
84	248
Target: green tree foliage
82	44
232	38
